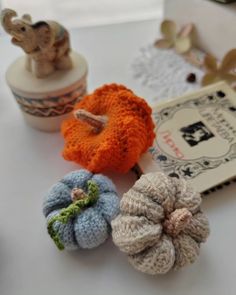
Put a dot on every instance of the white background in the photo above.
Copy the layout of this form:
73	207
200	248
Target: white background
73	13
30	162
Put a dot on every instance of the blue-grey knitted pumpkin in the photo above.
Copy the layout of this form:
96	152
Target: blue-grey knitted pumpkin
79	209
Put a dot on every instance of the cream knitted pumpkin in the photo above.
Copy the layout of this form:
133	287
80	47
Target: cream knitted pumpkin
161	225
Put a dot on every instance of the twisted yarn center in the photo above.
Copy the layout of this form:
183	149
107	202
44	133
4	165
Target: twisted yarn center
177	221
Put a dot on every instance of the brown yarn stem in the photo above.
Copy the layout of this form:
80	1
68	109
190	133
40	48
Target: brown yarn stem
98	122
177	221
77	194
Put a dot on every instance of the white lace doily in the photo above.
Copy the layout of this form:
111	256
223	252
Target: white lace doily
165	72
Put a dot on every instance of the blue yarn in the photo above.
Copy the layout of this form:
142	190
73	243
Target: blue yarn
91	227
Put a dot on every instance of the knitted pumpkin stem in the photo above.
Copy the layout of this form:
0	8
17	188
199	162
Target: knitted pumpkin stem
77	194
98	122
84	200
177	221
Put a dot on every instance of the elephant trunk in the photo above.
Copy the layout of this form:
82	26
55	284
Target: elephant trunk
6	20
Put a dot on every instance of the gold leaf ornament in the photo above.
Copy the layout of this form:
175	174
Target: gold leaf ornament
226	70
181	41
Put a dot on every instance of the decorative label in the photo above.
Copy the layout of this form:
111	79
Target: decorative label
196	137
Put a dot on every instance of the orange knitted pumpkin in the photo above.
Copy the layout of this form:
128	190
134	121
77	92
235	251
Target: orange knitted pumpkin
111	128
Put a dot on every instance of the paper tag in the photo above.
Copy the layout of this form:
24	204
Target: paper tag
196	137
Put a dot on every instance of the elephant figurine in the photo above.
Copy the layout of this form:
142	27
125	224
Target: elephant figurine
46	43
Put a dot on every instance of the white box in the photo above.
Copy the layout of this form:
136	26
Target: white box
215	23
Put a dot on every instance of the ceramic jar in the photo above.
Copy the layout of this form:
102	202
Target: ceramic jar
46	102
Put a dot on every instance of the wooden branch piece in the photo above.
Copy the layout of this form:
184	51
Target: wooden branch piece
98	122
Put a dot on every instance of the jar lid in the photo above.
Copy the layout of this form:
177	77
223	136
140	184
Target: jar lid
21	80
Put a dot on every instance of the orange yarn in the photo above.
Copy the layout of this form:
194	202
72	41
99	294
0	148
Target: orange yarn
128	132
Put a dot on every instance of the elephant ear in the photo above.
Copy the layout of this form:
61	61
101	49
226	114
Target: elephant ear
27	18
45	34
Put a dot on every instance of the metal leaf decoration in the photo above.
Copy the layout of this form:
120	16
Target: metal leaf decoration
172	38
216	72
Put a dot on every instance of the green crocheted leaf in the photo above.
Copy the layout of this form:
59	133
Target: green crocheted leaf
72	210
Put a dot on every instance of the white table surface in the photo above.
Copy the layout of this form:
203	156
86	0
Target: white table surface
31	162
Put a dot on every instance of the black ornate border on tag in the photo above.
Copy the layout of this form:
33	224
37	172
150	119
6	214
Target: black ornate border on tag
186	168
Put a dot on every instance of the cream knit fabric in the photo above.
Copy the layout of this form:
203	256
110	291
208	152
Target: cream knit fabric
160	226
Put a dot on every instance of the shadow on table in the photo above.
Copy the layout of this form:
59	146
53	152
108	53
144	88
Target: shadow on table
219	198
108	259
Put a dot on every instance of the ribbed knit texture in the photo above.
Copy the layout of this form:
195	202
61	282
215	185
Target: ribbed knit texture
88	227
161	225
127	134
